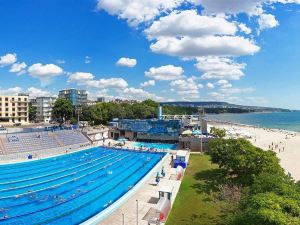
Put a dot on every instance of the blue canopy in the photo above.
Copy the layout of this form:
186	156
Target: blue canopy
122	139
197	132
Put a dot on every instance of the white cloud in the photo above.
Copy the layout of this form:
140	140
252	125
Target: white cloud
221	96
234	7
184	84
44	72
267	21
205	46
87	60
251	7
168	72
80	77
88	79
189	23
187	88
210	85
200	86
220	68
148	83
244	28
8	59
137	11
222	82
18	67
107	83
32	91
140	94
236	90
225	86
36	92
11	91
128	62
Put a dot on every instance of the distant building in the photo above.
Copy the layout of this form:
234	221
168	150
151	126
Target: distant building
90	102
77	97
14	109
101	99
44	106
117	100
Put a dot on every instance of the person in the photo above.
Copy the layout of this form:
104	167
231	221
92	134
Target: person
163	173
157	178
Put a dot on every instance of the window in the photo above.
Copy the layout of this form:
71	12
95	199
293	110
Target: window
13	99
6	104
19	99
13	104
6	114
6	99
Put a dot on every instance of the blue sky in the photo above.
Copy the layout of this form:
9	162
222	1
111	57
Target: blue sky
194	50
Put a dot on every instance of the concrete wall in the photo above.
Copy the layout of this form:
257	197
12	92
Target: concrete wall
194	143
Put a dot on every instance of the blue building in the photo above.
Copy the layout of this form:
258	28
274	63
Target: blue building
77	97
147	130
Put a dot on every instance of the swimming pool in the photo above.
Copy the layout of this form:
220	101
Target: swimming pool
71	188
155	145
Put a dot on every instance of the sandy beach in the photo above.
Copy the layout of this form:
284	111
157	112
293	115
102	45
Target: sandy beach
286	144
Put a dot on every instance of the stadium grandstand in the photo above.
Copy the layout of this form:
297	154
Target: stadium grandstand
20	145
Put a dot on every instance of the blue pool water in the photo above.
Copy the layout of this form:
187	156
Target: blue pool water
72	188
155	145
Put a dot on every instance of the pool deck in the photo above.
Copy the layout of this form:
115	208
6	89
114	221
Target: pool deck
147	197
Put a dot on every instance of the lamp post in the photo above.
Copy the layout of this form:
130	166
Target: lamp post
137	212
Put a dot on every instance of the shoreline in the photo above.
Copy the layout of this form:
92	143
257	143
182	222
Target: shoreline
284	143
211	121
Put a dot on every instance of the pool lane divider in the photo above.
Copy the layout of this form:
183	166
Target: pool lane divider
60	184
98	186
121	201
57	172
68	190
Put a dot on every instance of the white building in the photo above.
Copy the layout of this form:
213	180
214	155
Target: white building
44	106
14	109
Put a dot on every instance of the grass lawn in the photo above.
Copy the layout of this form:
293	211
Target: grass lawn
198	201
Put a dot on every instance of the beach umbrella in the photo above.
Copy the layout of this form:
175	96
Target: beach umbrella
197	132
187	132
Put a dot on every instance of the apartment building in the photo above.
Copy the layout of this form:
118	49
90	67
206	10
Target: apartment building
14	109
77	97
44	106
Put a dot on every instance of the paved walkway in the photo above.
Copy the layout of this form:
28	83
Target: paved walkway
147	197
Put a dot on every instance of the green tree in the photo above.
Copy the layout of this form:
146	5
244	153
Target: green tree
269	209
31	112
62	110
242	160
218	132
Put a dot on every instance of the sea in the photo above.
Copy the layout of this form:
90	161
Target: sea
278	120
